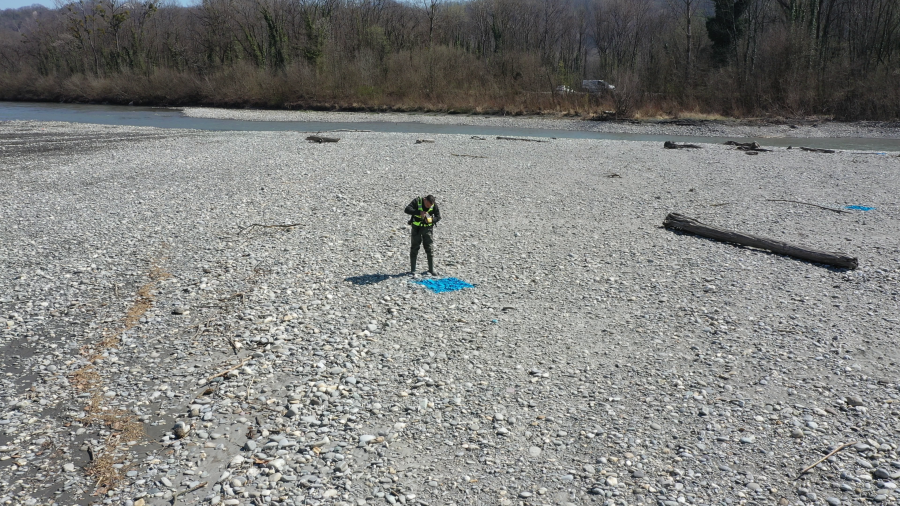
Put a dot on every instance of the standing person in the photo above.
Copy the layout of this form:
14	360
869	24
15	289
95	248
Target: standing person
425	215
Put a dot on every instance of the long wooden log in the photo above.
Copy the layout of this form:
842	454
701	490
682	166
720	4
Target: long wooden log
747	146
320	139
502	138
675	145
675	221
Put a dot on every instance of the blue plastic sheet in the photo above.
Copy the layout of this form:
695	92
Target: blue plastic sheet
860	208
444	284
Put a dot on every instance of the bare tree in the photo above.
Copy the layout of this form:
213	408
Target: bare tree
430	7
618	28
686	11
217	32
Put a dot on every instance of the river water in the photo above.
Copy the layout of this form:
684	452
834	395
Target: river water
173	118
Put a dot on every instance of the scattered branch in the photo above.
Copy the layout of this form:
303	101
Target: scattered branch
232	344
223	373
823	459
808	204
235	295
188	491
203	327
817	150
244	229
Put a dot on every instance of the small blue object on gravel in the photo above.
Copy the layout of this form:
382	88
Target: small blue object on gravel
860	208
444	284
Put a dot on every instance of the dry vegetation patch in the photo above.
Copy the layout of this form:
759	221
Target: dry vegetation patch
123	425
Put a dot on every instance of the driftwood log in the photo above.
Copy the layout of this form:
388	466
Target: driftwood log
817	150
320	139
674	145
675	221
747	146
502	138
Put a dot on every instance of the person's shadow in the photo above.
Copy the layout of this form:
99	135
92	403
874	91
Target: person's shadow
373	279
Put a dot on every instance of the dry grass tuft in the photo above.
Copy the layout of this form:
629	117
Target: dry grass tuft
85	377
141	305
124	425
103	470
144	300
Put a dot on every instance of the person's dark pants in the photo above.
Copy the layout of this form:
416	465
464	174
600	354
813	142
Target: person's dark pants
421	236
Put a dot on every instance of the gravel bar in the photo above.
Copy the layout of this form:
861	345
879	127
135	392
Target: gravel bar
600	359
801	129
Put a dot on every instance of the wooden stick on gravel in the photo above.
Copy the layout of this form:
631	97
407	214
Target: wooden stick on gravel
676	221
244	229
188	491
233	345
201	325
223	373
808	204
823	459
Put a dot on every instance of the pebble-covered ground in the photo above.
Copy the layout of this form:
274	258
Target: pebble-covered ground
155	351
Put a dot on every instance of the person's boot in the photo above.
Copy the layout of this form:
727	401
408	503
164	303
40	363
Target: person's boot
412	262
431	265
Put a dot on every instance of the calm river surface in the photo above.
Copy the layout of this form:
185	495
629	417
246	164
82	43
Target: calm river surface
173	118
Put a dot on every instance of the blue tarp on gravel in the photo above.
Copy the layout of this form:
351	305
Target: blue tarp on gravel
860	208
444	284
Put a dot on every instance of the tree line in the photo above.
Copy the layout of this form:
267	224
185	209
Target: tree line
837	58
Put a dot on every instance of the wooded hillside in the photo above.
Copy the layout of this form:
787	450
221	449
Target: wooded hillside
837	58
